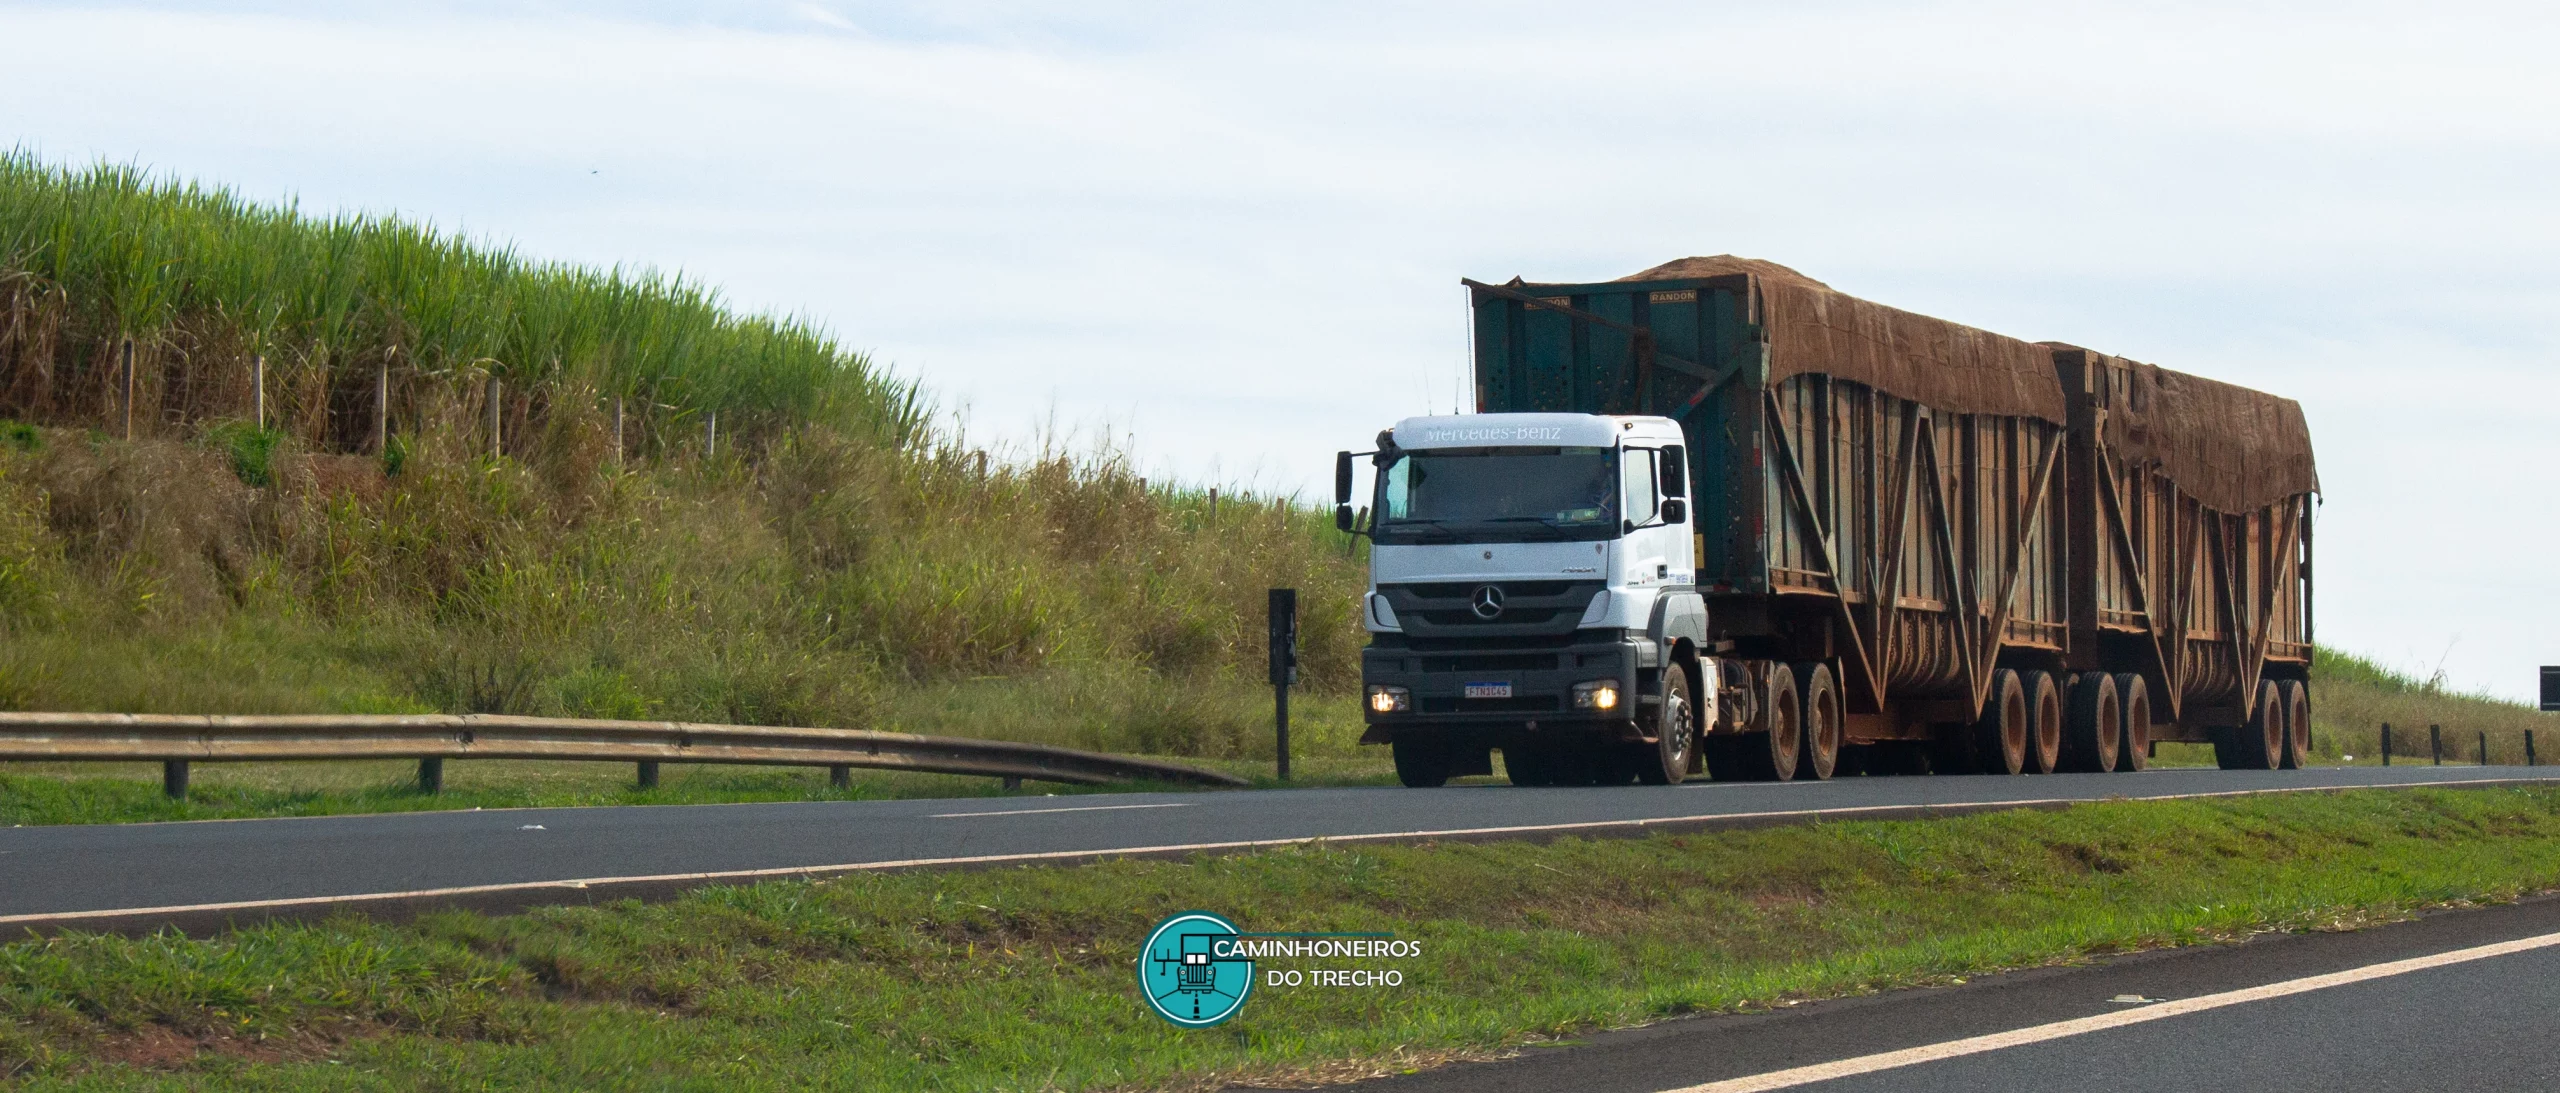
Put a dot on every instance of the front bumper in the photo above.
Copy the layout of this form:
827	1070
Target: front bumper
1541	682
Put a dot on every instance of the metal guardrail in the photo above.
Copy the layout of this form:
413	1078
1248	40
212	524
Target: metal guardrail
176	740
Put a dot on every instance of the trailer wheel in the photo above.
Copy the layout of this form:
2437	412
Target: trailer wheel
1769	754
1819	706
1675	734
2044	722
2297	724
2000	738
2258	744
1723	755
2093	730
2134	697
1421	764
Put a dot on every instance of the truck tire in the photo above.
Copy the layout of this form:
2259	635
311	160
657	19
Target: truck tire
1723	756
2133	696
2093	729
1666	763
1819	705
1421	764
2297	724
1951	751
2000	738
2044	722
2259	743
1527	765
1769	754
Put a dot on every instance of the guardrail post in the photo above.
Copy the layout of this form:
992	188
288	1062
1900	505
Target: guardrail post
1012	782
430	775
2528	747
648	774
173	779
840	775
2484	747
1284	663
2386	743
2435	744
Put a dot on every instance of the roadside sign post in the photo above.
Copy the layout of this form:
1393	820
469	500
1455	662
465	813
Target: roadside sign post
1284	665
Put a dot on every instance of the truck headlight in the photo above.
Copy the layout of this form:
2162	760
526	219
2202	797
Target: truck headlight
1599	694
1390	699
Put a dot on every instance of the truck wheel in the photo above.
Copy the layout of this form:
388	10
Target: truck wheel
1770	753
2297	724
1420	764
1666	763
1820	709
2093	730
1527	765
2000	738
2044	722
1724	758
2259	744
2133	696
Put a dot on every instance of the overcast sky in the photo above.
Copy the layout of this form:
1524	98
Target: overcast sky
1234	233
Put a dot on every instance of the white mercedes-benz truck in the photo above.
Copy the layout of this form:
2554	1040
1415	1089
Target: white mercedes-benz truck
1532	589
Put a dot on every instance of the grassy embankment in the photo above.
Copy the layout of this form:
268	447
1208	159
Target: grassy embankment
1022	979
838	560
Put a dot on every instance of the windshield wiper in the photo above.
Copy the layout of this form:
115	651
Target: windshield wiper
1393	526
1550	521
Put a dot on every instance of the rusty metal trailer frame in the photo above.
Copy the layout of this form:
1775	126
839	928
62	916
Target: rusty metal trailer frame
1913	550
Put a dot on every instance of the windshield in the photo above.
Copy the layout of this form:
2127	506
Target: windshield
1493	494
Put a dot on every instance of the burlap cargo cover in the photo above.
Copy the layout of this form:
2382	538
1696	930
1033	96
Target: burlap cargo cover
2230	447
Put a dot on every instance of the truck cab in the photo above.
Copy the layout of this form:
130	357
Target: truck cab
1533	589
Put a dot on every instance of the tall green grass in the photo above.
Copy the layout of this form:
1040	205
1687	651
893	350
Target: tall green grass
2353	697
202	280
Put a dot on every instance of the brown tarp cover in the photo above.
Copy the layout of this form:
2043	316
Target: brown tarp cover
1933	362
2232	448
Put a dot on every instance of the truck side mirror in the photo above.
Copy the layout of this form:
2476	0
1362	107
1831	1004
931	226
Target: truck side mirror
1342	518
1342	481
1675	511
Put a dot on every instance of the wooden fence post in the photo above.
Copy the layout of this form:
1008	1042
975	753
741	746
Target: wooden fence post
258	385
711	434
497	444
128	418
617	430
2435	744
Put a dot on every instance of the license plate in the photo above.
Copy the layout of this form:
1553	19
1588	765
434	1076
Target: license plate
1488	690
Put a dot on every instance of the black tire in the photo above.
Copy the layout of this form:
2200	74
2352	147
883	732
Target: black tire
2093	728
2000	738
1770	750
2044	722
1421	764
2297	725
1527	765
1823	723
2259	744
1614	764
1666	761
1723	756
2133	696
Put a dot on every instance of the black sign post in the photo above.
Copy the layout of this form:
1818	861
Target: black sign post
2551	688
1284	664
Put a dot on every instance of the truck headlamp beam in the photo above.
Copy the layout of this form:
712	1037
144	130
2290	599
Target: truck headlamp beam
1599	694
1390	699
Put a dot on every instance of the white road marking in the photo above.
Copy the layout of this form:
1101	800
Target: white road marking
1046	811
1975	1045
846	868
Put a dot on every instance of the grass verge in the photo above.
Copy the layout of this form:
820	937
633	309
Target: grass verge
1022	978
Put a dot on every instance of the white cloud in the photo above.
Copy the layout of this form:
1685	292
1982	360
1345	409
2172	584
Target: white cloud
1238	231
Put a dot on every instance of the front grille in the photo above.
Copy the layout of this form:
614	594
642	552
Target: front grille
1509	588
1500	662
1517	704
1528	607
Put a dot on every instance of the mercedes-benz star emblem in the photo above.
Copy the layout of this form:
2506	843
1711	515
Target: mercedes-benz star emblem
1488	601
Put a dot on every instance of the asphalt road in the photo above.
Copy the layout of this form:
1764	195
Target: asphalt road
2483	1024
209	872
